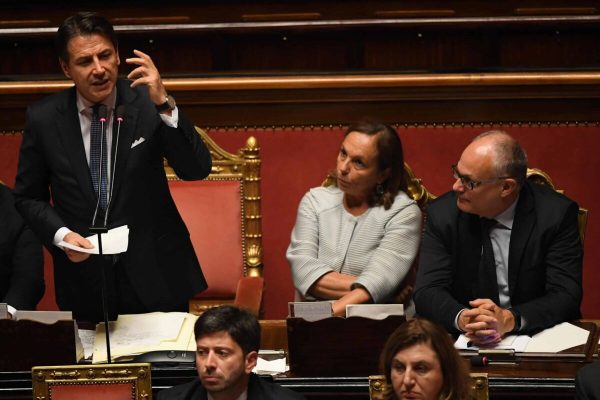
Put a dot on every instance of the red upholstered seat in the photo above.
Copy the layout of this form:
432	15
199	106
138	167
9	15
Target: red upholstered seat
212	212
222	214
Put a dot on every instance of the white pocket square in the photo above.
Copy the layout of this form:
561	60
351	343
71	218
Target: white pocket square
138	141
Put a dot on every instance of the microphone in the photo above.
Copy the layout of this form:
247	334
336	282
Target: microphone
120	118
102	113
479	361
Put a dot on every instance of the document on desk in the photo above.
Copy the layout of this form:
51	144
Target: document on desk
558	338
135	334
374	311
45	317
271	362
115	241
518	343
310	310
552	340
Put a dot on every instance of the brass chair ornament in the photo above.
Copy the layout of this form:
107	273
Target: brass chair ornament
83	382
479	386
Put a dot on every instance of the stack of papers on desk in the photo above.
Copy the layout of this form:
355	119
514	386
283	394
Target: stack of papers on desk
553	340
134	334
271	362
310	310
374	311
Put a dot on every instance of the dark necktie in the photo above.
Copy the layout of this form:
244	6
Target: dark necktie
97	166
487	282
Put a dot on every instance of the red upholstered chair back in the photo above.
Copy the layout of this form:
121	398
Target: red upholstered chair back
212	212
222	214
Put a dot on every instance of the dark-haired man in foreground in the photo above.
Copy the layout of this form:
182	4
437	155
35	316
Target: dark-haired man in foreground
227	343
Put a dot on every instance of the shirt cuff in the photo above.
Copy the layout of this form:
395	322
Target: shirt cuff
171	120
60	234
456	320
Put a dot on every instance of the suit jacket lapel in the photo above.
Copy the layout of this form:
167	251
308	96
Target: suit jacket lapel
69	132
125	97
522	227
469	247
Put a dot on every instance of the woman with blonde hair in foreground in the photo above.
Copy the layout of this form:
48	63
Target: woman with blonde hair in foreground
419	361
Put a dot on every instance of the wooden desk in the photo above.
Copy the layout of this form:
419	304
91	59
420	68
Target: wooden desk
529	380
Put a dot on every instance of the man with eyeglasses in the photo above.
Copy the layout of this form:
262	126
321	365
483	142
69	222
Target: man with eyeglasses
499	255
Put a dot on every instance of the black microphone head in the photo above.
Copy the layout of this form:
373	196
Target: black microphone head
102	112
120	113
479	361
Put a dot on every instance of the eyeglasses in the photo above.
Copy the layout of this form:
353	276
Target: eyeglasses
470	183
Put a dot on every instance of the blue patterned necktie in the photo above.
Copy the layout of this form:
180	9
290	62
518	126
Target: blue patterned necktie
96	143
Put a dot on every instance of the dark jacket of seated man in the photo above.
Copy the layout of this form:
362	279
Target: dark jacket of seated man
21	259
258	389
542	267
587	385
227	343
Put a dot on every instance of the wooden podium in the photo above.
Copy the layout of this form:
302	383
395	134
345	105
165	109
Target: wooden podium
24	344
338	346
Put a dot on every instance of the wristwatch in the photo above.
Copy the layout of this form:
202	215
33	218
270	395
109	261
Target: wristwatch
169	104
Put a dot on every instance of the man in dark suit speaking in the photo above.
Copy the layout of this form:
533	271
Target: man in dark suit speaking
499	254
70	174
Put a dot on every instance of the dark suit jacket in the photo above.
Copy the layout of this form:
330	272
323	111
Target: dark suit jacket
544	266
21	260
258	389
160	261
587	384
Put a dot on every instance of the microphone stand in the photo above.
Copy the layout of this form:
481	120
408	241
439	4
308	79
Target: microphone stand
99	230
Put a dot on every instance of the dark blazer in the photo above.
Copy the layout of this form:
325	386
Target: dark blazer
587	384
54	189
544	262
21	259
258	389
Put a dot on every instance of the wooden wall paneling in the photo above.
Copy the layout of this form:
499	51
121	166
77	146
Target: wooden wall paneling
339	99
185	41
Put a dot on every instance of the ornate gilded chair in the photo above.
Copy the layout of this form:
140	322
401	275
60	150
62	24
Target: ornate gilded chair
91	382
223	216
541	178
479	386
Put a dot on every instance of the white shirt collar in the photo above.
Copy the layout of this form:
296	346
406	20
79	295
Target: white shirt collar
243	396
83	105
507	216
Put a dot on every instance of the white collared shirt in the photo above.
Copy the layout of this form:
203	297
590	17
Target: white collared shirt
85	123
500	238
243	396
